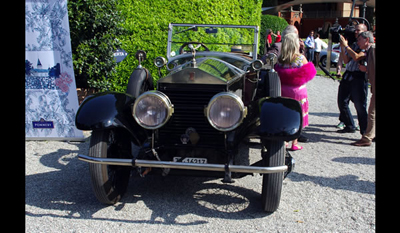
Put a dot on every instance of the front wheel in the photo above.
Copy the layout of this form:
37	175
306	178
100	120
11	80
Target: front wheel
323	60
109	182
273	154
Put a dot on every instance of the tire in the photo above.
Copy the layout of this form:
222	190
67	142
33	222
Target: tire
269	84
273	155
109	183
323	60
274	85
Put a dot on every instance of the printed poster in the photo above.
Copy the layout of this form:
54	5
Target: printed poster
51	100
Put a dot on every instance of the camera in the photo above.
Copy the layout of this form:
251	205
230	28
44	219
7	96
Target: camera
363	62
347	32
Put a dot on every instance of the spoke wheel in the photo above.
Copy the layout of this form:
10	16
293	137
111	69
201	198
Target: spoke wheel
109	182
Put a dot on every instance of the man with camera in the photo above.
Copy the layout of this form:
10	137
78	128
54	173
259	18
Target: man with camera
354	84
366	41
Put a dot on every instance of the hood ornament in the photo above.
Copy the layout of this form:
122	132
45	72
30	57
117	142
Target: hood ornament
193	50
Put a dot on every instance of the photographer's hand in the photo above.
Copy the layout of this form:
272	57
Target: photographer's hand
343	41
350	53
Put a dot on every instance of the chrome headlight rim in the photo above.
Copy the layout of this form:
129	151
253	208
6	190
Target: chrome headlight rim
164	99
237	99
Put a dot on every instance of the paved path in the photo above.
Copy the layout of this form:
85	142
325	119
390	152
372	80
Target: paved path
331	190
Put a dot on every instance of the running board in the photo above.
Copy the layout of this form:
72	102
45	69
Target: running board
180	165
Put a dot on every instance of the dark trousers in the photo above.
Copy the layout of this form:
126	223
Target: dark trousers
310	54
354	87
316	58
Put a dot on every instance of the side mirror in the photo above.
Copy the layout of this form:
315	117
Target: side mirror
141	56
211	30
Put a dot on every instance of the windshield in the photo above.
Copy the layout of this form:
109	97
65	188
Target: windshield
220	38
214	67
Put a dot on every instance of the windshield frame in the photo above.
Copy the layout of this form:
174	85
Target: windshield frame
255	35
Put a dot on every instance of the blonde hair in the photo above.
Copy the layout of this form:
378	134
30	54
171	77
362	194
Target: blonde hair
289	49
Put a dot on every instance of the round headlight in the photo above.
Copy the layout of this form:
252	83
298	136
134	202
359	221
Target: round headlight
152	109
226	111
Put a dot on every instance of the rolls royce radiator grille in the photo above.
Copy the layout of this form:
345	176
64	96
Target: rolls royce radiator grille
189	102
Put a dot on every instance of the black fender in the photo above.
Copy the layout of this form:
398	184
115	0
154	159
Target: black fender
139	82
280	118
109	110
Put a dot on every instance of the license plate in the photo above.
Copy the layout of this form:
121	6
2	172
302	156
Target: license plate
191	160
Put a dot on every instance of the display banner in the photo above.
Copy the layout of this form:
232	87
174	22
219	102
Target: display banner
51	100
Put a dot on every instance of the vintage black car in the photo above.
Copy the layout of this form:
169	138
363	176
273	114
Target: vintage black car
216	94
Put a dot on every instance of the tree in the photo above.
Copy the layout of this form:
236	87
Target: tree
95	27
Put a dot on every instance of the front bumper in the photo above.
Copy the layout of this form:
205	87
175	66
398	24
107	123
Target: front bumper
185	166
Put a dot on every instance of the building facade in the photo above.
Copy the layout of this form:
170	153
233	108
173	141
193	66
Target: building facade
321	16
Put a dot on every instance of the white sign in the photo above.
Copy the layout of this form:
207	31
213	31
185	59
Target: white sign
51	100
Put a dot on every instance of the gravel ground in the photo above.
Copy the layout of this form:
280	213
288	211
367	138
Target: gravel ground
332	188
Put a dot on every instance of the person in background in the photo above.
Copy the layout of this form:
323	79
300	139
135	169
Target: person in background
353	86
278	37
276	47
310	45
294	72
268	40
319	45
366	41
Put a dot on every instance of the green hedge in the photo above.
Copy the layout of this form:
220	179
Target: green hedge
98	27
146	25
94	26
270	22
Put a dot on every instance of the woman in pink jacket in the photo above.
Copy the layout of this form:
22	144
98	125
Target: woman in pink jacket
294	72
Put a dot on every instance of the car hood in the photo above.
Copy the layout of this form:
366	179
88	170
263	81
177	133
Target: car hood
207	70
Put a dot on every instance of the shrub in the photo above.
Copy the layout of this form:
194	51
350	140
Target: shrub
146	25
270	22
94	27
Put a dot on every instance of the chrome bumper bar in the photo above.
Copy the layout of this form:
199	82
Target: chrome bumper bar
180	165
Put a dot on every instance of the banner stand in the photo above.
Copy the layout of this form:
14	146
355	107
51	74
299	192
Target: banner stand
51	100
55	139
